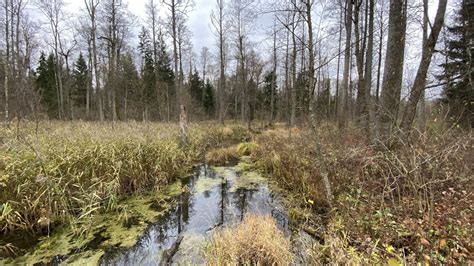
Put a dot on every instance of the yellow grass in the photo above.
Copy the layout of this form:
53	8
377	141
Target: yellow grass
255	241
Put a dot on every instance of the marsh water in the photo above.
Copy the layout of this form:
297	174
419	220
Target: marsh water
172	227
213	198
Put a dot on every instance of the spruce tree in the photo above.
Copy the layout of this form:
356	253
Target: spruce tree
459	69
164	71
148	74
209	100
196	88
46	85
270	88
128	86
80	82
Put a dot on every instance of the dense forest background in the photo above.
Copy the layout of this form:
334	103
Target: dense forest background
364	61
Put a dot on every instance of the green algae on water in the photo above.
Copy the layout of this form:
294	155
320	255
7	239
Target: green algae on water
85	245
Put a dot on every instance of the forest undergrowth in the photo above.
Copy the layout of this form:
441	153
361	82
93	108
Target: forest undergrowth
412	202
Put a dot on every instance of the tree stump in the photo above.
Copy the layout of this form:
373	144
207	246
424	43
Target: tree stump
183	125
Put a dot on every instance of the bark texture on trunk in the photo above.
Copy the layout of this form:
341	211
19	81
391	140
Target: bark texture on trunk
393	69
420	79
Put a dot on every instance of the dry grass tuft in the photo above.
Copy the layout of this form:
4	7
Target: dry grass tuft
222	156
255	241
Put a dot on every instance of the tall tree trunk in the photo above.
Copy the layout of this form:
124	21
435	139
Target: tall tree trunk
420	79
365	109
12	62
359	54
174	32
421	104
243	78
287	79
91	6
294	56
311	60
273	84
336	98
222	82
379	61
7	66
393	69
343	100
113	60
89	81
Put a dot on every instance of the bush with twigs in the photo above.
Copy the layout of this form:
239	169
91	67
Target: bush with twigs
412	201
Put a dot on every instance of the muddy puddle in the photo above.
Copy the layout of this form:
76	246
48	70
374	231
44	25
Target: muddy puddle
212	198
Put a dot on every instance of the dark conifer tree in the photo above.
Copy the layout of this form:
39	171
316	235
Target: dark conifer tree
459	67
80	82
196	88
209	100
46	85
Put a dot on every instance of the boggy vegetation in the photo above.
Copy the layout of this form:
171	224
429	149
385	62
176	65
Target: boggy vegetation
66	172
406	204
255	241
410	203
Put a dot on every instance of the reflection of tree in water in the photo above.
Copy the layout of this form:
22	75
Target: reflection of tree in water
242	196
186	201
231	207
159	236
223	203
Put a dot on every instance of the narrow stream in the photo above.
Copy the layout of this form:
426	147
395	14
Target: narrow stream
214	197
169	227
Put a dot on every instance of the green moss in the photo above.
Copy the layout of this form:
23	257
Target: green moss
174	189
101	231
90	257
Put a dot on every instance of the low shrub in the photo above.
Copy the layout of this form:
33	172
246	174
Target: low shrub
412	199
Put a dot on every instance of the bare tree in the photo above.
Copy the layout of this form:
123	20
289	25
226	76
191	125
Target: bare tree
7	63
151	9
217	20
274	70
420	79
242	15
177	11
92	9
152	22
393	69
380	49
365	110
53	10
343	101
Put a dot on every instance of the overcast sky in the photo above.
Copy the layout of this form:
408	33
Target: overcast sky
198	18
